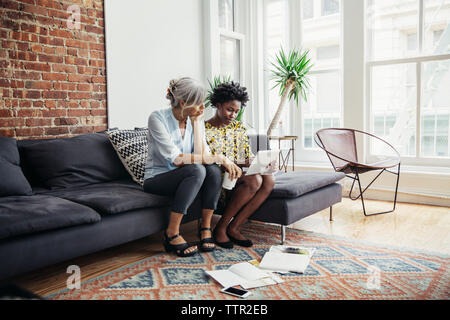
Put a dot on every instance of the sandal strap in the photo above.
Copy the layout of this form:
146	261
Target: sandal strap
182	246
205	229
207	240
172	237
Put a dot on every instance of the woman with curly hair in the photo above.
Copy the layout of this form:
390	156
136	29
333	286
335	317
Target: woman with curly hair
228	137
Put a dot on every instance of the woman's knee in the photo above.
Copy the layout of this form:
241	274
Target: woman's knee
268	183
213	174
213	170
197	170
253	182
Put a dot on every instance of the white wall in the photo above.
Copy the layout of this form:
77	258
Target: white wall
148	43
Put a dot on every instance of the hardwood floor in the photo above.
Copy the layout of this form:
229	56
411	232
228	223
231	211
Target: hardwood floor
412	225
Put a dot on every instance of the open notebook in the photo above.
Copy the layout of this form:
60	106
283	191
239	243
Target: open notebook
244	274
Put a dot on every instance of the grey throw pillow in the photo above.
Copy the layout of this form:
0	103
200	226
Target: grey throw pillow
12	180
69	162
132	148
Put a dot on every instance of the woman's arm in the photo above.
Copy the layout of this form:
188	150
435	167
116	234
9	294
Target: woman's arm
198	137
184	159
202	153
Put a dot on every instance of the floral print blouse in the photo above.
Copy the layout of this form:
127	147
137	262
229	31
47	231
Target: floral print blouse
231	141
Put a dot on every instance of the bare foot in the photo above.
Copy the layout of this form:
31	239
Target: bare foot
206	234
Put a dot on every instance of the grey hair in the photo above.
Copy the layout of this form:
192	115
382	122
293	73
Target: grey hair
191	91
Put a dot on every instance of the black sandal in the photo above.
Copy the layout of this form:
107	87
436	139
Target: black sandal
206	240
226	245
179	249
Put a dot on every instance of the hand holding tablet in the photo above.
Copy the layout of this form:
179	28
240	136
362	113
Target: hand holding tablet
265	163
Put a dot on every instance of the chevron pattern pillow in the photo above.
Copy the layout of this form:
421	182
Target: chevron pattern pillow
132	148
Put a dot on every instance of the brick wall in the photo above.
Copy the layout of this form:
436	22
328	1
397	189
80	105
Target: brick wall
52	68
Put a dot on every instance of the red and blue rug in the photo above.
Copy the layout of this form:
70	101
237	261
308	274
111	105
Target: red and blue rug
340	269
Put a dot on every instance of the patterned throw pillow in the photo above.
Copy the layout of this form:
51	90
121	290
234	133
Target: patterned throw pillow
132	148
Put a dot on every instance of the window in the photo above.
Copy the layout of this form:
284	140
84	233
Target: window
226	14
330	7
321	35
230	57
408	67
328	52
436	34
276	35
411	42
308	9
230	41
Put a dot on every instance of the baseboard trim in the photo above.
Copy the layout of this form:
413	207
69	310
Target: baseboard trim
420	188
406	197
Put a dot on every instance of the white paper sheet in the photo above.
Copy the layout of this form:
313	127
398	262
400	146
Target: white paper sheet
244	274
225	278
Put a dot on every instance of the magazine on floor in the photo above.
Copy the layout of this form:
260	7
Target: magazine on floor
285	259
244	274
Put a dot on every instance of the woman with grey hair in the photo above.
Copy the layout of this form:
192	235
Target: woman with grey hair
180	164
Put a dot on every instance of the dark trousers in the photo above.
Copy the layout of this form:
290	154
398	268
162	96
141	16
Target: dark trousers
184	183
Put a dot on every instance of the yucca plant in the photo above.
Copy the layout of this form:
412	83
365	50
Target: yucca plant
218	80
290	72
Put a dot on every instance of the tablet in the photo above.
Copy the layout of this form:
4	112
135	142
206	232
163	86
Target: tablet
262	161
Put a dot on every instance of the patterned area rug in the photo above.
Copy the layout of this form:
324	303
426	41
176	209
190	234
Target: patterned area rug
340	269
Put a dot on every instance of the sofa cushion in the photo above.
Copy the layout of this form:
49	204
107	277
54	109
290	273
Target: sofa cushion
12	181
132	149
28	214
77	161
295	184
112	197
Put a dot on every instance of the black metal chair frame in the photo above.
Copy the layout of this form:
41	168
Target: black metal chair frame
355	170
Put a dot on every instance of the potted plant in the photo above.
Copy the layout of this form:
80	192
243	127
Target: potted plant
218	80
290	72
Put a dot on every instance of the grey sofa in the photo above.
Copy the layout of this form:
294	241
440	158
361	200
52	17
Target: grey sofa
64	198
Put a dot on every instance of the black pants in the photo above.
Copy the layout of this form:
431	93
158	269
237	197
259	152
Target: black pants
184	183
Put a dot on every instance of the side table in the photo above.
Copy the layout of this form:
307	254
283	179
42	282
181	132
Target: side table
283	159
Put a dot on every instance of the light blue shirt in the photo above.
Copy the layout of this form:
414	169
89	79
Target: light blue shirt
165	142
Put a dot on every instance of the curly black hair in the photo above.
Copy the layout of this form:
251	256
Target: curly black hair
229	91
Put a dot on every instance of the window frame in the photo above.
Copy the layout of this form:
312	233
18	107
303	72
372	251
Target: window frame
315	154
214	33
418	59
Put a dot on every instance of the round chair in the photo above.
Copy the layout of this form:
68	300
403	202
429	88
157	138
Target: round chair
340	146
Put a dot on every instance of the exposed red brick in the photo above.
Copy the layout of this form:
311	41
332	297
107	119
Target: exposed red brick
65	121
29	132
7	132
54	94
56	131
52	78
38	84
38	122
